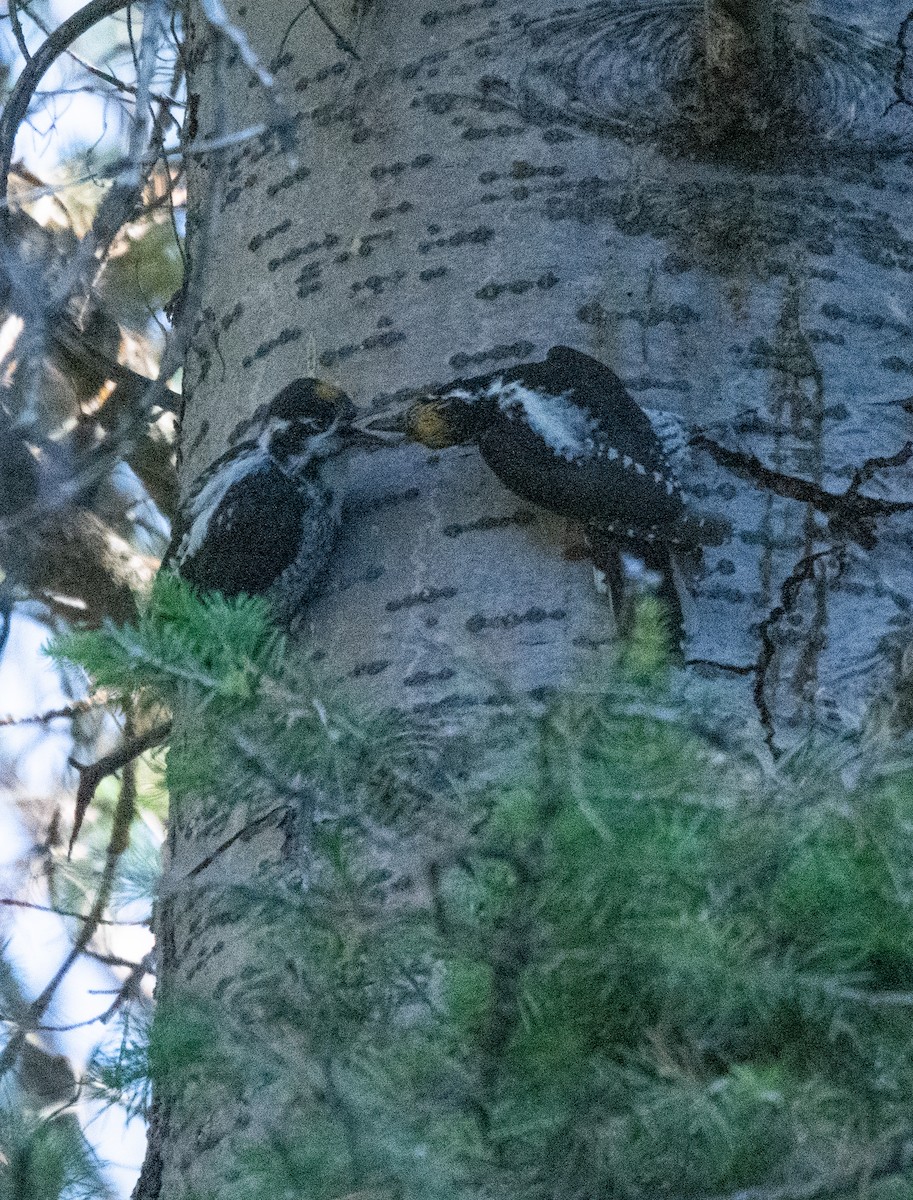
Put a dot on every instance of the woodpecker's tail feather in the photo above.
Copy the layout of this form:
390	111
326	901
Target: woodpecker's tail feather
632	569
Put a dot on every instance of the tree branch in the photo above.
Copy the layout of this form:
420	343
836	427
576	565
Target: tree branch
13	8
342	43
120	832
91	774
10	902
849	507
21	96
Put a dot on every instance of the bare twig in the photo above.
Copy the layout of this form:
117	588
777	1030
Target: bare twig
9	902
47	324
55	714
283	122
20	97
120	835
13	8
90	68
115	960
343	43
846	506
245	832
207	146
198	248
872	466
790	590
218	17
126	990
91	774
124	195
17	278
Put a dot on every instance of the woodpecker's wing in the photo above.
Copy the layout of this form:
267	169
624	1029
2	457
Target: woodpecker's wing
620	421
252	535
565	433
606	487
189	510
644	513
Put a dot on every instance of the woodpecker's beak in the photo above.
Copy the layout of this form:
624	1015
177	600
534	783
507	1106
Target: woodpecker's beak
389	421
388	425
418	416
371	430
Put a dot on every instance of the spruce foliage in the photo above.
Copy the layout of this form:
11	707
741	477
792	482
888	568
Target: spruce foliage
630	965
46	1158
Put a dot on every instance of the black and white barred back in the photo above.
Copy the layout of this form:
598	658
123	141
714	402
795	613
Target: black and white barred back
566	434
264	517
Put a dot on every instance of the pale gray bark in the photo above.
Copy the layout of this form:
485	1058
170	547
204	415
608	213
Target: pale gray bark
475	183
460	202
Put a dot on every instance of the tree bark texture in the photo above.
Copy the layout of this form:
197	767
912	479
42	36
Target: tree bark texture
480	185
474	183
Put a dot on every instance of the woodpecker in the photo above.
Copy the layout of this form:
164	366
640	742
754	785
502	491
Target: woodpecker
566	434
263	518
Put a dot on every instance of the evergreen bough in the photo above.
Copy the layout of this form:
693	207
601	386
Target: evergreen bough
634	966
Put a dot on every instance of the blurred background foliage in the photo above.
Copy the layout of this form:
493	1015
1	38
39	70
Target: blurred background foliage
87	485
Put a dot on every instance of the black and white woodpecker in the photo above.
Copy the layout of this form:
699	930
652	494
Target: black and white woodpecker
566	434
263	518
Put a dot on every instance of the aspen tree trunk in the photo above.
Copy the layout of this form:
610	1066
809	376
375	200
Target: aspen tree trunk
755	79
744	44
471	184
